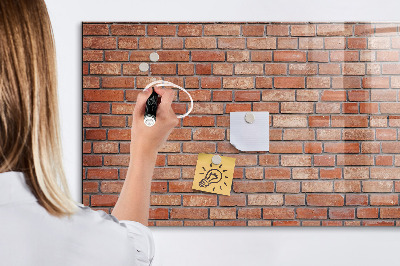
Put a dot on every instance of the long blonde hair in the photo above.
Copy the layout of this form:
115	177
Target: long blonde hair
29	123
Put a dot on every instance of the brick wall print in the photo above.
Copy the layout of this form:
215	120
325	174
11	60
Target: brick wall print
332	91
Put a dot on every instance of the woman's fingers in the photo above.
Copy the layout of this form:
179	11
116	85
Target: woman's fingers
167	96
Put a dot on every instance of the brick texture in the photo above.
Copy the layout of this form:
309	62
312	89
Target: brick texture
333	93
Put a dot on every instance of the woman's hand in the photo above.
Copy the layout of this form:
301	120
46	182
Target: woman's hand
152	138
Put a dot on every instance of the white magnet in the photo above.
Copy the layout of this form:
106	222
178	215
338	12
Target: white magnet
249	118
144	67
154	57
216	159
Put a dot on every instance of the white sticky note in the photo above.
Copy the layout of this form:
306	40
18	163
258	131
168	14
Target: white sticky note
249	136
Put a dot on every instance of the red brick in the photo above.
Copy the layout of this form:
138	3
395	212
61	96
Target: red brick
210	82
265	199
377	186
287	43
329	69
105	147
390	213
303	30
231	43
189	213
208	56
367	213
189	30
347	186
295	199
318	56
285	147
232	200
244	56
384	199
249	213
335	43
94	29
342	147
346	82
222	29
375	82
199	200
358	134
278	30
278	213
277	173
247	96
92	55
311	147
253	30
238	82
103	200
296	160
385	134
344	56
333	95
317	186
299	134
355	160
253	186
356	199
311	213
90	187
311	43
249	69
223	213
261	43
334	30
99	43
289	56
297	107
335	173
341	213
305	173
318	82
324	160
325	200
158	213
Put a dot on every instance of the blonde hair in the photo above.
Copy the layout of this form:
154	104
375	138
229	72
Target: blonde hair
29	125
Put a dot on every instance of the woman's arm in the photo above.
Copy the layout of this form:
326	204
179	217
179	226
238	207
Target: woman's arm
134	201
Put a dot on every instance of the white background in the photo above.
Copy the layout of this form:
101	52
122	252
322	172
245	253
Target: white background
221	246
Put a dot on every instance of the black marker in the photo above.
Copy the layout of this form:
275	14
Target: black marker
151	109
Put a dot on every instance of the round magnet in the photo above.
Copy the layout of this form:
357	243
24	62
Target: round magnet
144	67
154	57
216	159
249	117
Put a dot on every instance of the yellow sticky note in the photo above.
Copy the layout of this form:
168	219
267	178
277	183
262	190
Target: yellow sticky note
214	178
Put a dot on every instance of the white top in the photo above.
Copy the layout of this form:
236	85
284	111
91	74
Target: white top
29	235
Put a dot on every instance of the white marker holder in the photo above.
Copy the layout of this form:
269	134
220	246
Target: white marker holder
164	83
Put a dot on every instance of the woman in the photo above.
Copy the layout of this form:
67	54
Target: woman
39	222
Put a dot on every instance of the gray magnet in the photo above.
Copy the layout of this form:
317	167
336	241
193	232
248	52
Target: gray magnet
144	67
249	117
154	57
216	159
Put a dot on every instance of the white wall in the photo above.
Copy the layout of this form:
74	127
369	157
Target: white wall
221	246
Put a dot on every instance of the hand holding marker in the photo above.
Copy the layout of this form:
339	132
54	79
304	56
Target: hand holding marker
152	102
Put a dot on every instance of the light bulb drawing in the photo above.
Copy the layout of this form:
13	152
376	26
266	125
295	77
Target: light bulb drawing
213	176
